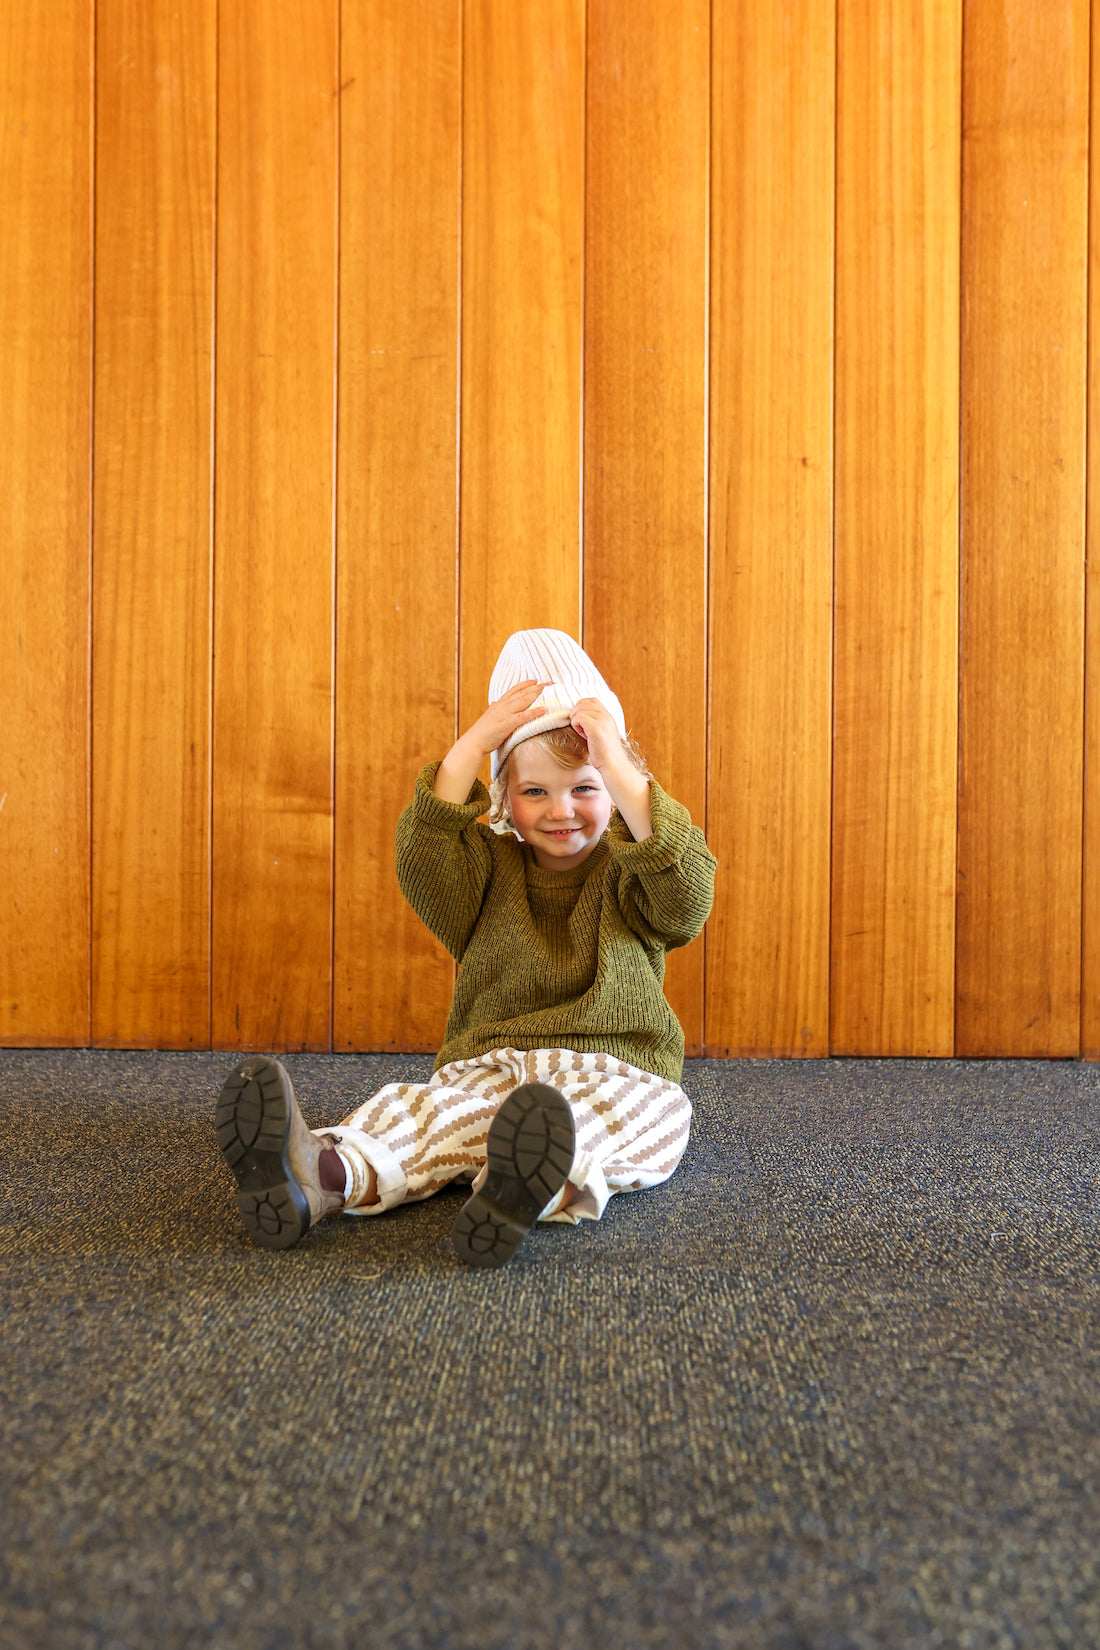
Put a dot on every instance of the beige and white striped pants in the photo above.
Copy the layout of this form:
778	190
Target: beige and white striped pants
631	1127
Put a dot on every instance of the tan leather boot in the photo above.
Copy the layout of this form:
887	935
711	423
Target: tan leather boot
529	1153
263	1138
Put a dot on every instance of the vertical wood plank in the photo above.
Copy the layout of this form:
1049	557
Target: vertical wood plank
1023	449
45	393
152	524
896	719
645	394
400	116
771	514
273	619
522	274
1090	949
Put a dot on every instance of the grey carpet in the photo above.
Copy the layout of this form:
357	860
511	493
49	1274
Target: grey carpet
834	1386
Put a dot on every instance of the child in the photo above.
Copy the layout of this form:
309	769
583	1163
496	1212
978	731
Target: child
557	1084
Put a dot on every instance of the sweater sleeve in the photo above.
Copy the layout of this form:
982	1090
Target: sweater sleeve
666	881
443	860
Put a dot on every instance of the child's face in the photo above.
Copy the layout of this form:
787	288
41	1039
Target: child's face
561	812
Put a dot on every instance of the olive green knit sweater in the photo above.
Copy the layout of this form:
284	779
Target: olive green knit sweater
557	959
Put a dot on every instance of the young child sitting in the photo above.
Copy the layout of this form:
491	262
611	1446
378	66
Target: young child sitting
558	1082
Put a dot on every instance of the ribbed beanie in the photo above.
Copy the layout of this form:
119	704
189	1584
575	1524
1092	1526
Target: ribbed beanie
548	656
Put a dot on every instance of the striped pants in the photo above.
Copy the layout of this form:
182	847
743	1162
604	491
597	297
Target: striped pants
631	1127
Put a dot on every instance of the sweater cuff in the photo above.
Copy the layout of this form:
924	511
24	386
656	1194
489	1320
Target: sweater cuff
430	809
672	829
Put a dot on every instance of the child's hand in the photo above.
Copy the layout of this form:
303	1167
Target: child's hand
505	715
456	773
595	723
627	788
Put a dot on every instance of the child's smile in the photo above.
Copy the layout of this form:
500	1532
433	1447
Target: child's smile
561	812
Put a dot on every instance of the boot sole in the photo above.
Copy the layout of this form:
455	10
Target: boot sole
252	1123
530	1153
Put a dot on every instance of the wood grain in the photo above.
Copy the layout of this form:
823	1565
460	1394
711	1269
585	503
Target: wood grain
273	620
645	394
896	649
771	508
397	542
45	394
522	275
535	179
1025	190
152	524
1090	948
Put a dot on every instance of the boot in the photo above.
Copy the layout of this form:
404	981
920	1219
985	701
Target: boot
530	1153
263	1138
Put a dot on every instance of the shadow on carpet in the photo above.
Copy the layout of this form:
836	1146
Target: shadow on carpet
835	1385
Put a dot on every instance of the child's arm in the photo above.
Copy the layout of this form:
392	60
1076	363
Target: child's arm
666	883
442	864
457	772
627	788
443	860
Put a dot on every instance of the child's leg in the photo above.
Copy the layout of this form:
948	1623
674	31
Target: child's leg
577	1129
418	1137
284	1173
476	1117
529	1155
631	1127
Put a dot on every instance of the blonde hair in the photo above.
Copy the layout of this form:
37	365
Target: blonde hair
568	749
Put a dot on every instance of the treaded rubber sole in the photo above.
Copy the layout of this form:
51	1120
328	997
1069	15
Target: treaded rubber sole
252	1123
530	1153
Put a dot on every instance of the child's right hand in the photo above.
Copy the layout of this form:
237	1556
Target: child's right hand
505	715
457	772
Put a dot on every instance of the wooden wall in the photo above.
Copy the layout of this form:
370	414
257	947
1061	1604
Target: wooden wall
747	340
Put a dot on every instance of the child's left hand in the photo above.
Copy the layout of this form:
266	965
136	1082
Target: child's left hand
627	788
595	723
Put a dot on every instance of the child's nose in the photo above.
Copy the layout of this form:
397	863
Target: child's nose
561	807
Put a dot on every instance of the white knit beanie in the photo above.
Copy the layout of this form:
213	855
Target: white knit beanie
548	656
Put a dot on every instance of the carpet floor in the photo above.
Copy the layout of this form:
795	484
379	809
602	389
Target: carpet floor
835	1385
